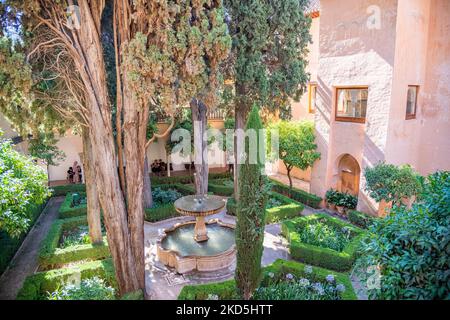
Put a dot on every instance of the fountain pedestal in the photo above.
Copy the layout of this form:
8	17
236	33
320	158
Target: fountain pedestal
201	234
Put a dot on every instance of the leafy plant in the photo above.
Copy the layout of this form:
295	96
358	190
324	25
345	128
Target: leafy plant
76	236
22	184
89	289
273	202
163	197
323	235
410	247
331	196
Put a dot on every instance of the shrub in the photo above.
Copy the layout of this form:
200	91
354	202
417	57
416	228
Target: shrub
360	219
297	194
163	196
22	183
326	236
62	191
51	255
67	211
332	196
288	208
278	270
410	247
167	211
186	179
220	187
10	245
38	285
89	289
317	255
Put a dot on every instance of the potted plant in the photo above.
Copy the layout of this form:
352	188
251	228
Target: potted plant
331	197
350	201
341	202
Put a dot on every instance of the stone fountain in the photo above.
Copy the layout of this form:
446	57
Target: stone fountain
198	245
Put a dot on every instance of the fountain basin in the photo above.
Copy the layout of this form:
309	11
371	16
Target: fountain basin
178	249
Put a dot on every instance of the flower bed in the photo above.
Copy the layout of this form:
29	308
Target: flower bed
52	255
287	208
314	248
297	194
68	211
279	278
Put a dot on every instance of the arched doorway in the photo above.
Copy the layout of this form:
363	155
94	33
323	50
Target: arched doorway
348	175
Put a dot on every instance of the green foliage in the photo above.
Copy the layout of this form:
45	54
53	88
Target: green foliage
296	146
270	45
297	194
343	199
163	196
391	183
222	187
280	269
22	184
62	191
77	236
318	255
251	214
89	289
51	254
360	219
44	148
332	196
186	179
10	245
38	285
411	247
68	211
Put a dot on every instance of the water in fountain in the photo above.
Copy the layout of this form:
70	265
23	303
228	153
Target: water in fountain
182	240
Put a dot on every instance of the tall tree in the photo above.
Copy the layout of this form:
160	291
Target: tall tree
251	213
166	51
268	59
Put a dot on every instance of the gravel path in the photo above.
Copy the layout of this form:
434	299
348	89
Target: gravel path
25	262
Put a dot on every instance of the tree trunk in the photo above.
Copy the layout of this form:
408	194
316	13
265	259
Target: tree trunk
199	122
93	204
148	199
240	115
91	66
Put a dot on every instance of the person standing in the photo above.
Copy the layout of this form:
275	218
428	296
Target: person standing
79	174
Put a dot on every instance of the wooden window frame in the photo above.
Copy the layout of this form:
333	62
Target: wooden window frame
414	115
311	84
347	119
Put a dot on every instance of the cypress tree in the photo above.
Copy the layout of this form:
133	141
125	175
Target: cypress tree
251	212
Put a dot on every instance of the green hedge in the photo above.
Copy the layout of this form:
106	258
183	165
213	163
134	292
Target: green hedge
61	191
38	285
297	194
318	256
288	210
360	219
66	211
50	255
167	211
227	290
216	187
186	178
9	245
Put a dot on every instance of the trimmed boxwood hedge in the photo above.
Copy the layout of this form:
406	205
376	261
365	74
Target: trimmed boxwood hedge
186	179
61	191
288	210
297	194
216	186
50	255
38	285
9	245
318	256
227	290
66	211
361	219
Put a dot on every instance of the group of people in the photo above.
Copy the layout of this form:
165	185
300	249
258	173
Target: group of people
75	173
159	167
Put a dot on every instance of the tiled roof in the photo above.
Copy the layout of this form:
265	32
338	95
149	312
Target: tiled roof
313	7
